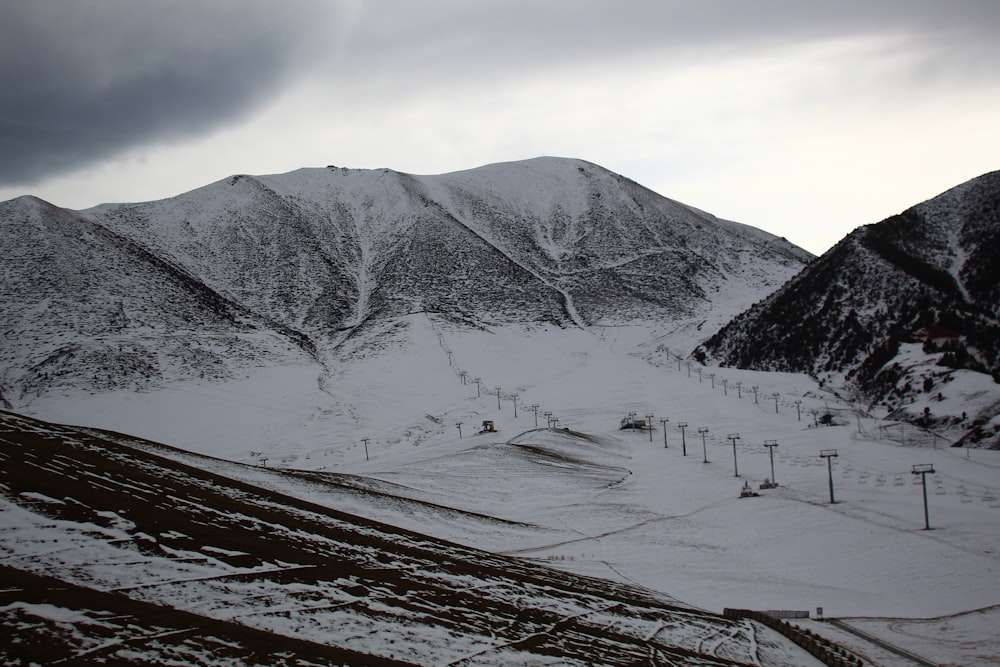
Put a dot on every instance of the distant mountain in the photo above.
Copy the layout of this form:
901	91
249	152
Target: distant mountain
898	312
272	269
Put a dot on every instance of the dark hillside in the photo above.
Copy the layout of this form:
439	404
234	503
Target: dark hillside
117	555
926	277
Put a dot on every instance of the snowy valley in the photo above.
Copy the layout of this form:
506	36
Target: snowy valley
328	343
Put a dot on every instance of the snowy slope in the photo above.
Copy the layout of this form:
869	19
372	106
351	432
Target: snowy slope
619	253
389	325
904	314
86	307
317	262
203	568
611	503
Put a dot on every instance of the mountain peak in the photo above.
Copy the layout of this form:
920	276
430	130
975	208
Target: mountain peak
313	254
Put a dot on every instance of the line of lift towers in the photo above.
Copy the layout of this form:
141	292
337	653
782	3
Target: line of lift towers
633	422
488	425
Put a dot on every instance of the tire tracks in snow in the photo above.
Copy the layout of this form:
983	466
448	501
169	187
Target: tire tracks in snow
624	529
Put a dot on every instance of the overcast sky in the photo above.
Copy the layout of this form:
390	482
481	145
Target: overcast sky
806	119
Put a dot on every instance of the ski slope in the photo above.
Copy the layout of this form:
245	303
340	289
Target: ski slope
624	505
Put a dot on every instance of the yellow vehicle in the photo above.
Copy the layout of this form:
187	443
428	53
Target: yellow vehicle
488	427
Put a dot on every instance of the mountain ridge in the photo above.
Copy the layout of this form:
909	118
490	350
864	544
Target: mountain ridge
892	312
301	259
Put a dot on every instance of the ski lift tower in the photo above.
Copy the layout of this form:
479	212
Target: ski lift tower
704	452
829	455
923	469
770	444
734	437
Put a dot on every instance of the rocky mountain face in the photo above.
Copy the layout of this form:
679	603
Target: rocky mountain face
287	268
898	312
85	306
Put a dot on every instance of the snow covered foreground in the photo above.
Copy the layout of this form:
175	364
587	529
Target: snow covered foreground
629	506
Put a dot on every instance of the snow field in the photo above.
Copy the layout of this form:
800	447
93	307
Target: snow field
620	505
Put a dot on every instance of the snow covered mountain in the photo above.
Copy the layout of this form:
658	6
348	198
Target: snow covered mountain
314	264
905	312
84	306
325	345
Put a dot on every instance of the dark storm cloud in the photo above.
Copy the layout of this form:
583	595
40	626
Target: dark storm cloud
83	80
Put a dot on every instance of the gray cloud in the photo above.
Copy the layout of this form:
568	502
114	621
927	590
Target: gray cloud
84	80
487	37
